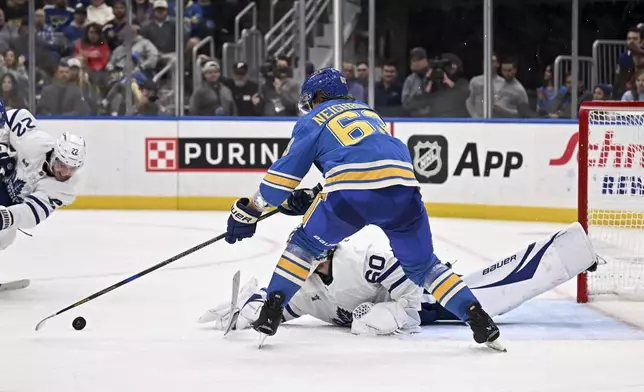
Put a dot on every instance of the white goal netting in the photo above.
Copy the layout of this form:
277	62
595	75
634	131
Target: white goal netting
615	194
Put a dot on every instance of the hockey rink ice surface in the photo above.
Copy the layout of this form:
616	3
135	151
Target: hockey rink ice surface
144	336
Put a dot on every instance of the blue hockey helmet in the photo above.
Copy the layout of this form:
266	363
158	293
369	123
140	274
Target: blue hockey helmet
328	81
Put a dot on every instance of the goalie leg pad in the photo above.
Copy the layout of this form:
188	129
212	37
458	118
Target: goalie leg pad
541	266
383	318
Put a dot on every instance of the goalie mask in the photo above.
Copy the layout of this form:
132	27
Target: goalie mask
68	156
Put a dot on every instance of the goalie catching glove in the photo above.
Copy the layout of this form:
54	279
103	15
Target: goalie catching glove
384	318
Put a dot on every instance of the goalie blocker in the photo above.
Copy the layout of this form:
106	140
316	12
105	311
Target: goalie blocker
499	287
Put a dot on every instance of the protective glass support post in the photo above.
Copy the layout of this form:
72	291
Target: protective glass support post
372	52
338	36
574	98
179	67
301	36
488	51
32	56
129	66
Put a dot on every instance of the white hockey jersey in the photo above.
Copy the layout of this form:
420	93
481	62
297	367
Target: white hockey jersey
360	274
30	193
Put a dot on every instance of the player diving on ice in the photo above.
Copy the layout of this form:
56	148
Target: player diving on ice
37	172
369	180
364	287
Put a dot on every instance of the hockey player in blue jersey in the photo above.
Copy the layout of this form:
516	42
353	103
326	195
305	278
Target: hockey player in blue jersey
369	179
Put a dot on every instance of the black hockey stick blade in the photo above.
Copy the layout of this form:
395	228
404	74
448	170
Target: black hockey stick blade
145	272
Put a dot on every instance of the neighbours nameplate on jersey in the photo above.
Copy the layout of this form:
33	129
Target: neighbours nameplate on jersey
212	154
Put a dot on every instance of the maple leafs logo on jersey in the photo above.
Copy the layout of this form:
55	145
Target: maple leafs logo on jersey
345	318
14	188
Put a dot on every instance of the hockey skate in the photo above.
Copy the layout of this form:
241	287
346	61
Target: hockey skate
484	329
270	316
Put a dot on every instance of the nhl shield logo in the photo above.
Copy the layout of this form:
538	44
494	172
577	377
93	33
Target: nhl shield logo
429	158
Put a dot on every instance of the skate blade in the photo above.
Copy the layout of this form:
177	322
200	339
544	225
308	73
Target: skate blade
495	345
262	338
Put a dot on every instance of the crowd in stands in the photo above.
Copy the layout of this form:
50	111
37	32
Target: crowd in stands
82	57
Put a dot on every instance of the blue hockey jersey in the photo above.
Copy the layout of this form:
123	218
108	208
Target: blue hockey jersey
57	17
349	143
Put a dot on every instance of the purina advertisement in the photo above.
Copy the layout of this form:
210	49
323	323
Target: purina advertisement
465	169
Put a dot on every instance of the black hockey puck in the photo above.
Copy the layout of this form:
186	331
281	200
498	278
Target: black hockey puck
79	323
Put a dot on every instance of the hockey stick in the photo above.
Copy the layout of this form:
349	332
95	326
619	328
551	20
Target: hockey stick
145	272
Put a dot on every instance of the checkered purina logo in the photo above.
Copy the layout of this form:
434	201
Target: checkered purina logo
161	154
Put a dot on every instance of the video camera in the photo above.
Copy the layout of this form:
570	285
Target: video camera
440	67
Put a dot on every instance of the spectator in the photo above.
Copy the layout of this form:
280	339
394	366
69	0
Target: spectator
284	62
99	12
389	92
638	64
546	93
560	107
636	92
448	94
212	98
112	29
58	15
76	29
413	92
93	48
114	101
511	99
199	16
602	92
355	88
80	78
15	66
46	58
44	31
143	50
15	10
62	97
11	95
625	67
279	96
7	33
146	100
475	102
363	74
245	92
161	30
142	11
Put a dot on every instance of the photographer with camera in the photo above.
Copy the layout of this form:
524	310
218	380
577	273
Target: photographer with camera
436	88
279	94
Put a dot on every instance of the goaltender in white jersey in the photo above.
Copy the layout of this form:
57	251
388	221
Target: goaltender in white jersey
37	172
365	288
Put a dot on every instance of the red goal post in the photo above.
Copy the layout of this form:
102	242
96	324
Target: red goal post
610	202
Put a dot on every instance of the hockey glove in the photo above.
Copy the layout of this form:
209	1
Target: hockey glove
6	218
242	221
7	162
299	201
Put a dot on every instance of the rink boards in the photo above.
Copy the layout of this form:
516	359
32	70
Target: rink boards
496	170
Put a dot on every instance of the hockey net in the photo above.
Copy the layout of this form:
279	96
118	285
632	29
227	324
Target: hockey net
611	198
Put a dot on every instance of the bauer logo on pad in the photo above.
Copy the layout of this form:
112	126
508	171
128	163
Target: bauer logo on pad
429	156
